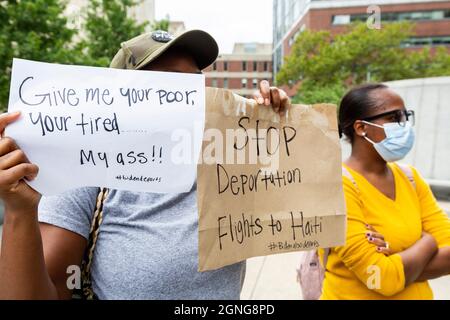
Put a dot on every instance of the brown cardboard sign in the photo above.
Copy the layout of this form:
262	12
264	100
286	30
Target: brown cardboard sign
267	184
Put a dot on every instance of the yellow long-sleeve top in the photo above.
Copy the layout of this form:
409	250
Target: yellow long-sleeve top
356	270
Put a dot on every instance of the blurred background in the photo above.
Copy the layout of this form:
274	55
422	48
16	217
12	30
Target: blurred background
314	49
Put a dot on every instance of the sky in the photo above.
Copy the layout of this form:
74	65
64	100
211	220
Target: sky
228	21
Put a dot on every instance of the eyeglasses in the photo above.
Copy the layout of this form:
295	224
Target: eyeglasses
399	116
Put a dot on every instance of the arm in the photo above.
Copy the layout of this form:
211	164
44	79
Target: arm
438	266
417	257
435	222
23	273
396	271
33	257
432	268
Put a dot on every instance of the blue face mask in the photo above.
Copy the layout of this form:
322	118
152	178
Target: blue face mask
398	143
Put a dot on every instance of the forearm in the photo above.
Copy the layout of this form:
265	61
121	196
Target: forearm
23	273
438	266
416	258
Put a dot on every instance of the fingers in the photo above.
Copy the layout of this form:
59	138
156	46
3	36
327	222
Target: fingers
12	159
275	99
7	145
385	251
7	118
258	97
13	175
375	235
264	89
377	242
274	96
285	103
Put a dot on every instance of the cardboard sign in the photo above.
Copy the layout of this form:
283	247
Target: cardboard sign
122	129
266	184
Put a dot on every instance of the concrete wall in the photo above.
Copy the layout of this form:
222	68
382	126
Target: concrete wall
430	99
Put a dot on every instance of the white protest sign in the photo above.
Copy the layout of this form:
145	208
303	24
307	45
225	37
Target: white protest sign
122	129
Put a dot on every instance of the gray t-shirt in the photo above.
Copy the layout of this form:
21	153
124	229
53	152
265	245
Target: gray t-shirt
147	246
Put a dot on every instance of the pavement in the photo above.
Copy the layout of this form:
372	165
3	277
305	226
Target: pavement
274	277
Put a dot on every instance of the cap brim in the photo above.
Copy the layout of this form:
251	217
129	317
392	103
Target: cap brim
200	44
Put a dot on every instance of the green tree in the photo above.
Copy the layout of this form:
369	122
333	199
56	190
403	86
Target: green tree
107	25
32	29
328	65
38	30
311	93
162	24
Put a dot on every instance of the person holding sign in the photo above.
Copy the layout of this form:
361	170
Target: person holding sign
145	244
397	235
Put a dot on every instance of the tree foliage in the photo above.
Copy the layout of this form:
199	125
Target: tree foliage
162	24
39	30
327	65
107	25
35	30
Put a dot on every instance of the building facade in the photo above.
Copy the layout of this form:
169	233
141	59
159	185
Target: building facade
144	11
291	17
176	27
242	70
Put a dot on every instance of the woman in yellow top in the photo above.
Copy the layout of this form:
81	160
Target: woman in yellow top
397	235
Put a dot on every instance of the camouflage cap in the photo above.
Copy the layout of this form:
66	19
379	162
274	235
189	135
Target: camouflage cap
141	50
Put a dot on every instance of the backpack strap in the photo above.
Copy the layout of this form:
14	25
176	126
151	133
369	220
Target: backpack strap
326	253
346	173
407	170
87	292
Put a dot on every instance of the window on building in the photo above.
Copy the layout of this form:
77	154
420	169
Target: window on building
440	41
225	66
244	83
278	59
395	16
341	19
244	66
295	36
225	83
255	66
214	83
296	9
255	83
426	41
438	15
266	66
250	47
215	66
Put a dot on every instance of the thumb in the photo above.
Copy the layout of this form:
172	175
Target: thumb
7	118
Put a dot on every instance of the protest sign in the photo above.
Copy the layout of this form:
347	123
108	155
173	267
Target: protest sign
122	129
267	184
